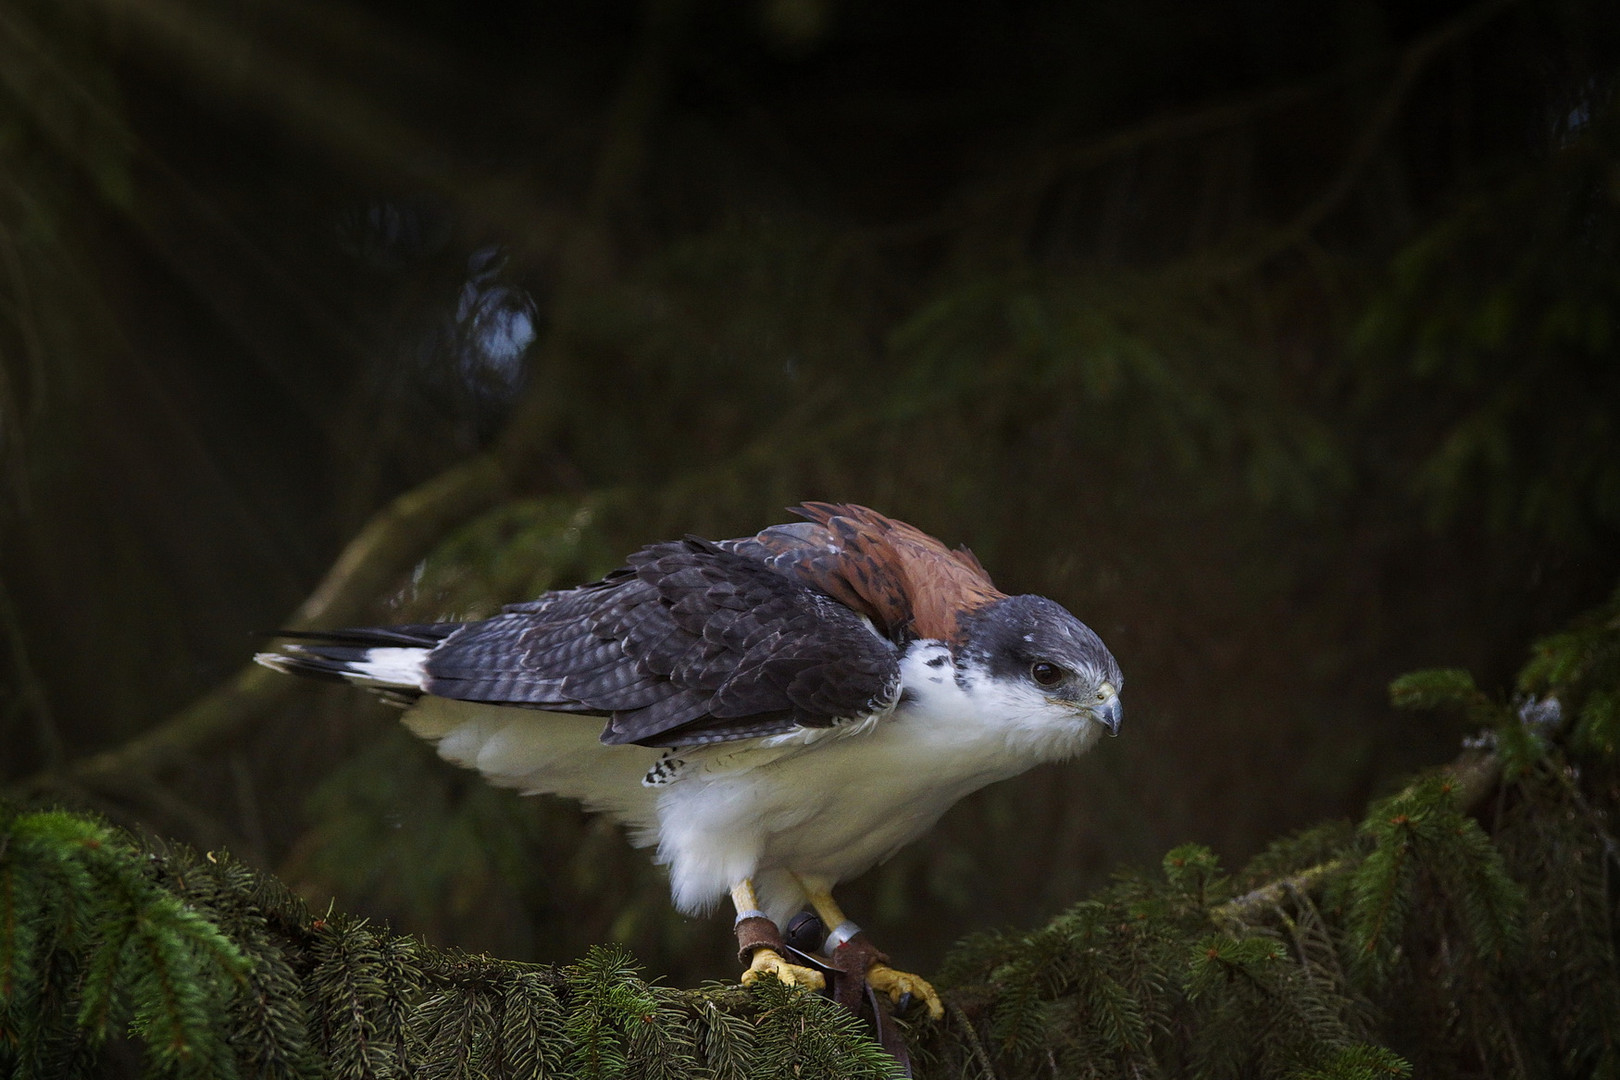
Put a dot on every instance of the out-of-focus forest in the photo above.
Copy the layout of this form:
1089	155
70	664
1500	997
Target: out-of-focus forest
1280	342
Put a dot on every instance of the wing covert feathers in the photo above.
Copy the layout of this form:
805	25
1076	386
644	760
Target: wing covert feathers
689	643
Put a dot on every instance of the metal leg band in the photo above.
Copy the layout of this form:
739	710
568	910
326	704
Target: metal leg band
839	935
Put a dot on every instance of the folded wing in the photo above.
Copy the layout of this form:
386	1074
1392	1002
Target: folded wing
688	644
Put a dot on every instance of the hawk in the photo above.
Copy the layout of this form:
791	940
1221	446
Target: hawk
783	711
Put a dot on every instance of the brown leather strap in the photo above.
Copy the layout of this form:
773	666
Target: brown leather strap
852	959
754	933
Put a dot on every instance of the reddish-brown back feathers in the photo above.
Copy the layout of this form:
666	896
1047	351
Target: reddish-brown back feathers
905	581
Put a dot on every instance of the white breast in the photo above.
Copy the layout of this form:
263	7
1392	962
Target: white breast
828	805
825	804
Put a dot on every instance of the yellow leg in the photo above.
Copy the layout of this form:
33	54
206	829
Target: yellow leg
767	961
881	977
821	899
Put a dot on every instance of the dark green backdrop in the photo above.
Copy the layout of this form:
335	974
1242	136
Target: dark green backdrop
1278	341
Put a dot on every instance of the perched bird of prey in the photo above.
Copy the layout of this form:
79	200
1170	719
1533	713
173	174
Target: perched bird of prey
783	711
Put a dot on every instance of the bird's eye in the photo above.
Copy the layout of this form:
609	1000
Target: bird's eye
1046	673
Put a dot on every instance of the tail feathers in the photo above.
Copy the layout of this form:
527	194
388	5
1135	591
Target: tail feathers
425	635
390	661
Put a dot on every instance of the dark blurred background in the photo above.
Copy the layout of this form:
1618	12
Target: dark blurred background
1279	341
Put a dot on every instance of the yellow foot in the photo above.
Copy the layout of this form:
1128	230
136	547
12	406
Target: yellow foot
768	962
898	984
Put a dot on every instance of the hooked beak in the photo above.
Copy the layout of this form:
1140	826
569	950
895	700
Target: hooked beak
1109	714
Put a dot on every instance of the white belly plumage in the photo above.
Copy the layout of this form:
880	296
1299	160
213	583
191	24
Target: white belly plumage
823	804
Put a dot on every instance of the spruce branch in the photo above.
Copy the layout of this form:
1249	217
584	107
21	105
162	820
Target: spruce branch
1470	778
398	537
221	970
1411	64
409	527
1029	177
137	950
726	1042
531	1027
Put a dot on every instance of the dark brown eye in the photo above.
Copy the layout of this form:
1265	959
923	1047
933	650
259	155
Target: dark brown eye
1046	673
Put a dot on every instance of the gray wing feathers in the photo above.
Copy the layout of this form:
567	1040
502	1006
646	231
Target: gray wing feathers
689	643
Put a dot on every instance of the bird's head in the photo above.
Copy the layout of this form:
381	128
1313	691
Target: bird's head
1043	659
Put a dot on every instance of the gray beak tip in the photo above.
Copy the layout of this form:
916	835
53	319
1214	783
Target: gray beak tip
1110	715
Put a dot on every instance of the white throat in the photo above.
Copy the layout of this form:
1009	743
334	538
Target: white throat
1010	722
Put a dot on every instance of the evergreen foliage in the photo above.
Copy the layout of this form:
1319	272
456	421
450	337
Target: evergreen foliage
1467	927
1332	289
89	942
1450	934
218	971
